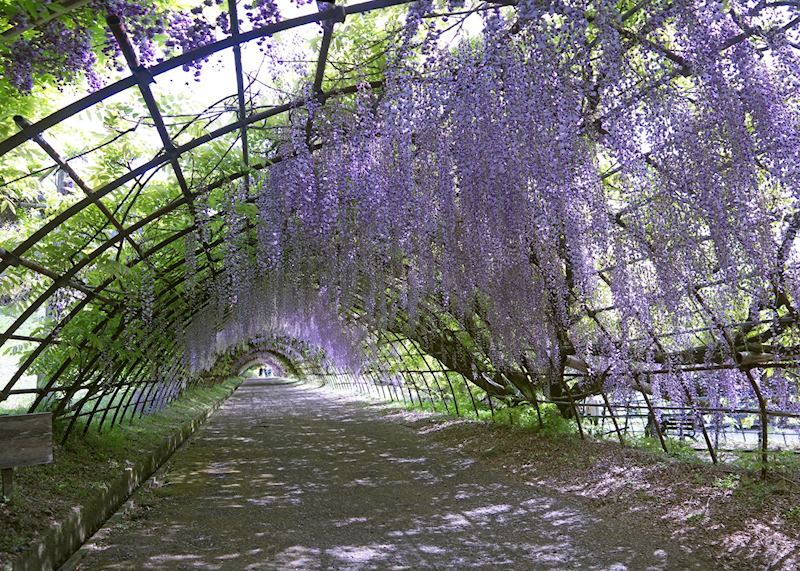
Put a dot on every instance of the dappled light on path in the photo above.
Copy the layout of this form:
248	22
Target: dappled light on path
285	477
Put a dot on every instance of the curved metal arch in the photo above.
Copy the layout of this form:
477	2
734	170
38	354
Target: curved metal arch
73	313
138	368
114	310
279	347
158	162
125	403
142	77
64	280
437	315
338	13
254	356
97	399
165	306
91	295
168	157
285	346
84	343
171	153
88	371
134	381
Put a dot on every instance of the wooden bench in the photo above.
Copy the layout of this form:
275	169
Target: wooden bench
25	440
679	425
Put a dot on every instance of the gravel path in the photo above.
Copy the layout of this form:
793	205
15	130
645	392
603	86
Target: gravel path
285	477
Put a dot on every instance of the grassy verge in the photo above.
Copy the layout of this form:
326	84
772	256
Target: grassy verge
548	421
45	494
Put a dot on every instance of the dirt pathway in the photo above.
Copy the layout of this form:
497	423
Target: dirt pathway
284	477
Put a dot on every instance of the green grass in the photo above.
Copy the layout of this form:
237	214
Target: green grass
16	409
727	482
553	424
676	448
522	416
84	463
756	493
525	416
781	462
695	518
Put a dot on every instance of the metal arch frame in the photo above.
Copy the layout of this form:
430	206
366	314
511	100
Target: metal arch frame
96	293
137	369
92	294
254	356
79	182
445	358
171	153
339	13
437	314
86	371
141	78
278	346
159	161
115	310
138	366
65	279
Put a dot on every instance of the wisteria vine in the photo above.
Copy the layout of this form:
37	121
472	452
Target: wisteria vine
61	45
586	192
602	196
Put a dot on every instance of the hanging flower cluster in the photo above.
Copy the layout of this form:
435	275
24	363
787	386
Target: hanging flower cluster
264	311
587	191
54	43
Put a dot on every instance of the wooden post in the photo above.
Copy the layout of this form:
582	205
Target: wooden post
652	412
574	409
762	407
613	418
538	412
8	483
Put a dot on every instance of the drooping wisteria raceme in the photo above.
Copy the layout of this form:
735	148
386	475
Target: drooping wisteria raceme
58	44
603	189
587	192
262	312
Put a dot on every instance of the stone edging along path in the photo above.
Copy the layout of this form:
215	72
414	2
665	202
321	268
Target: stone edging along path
62	539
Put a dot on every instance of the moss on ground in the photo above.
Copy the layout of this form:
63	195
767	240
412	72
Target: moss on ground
86	462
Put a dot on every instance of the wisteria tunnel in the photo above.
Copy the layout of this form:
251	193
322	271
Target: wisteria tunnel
483	283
